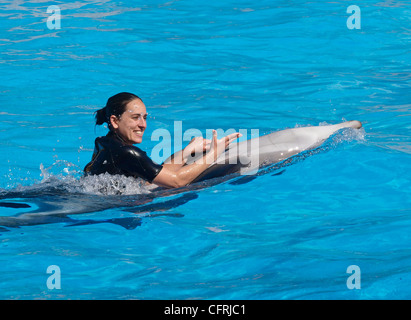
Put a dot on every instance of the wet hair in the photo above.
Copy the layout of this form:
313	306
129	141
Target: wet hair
116	105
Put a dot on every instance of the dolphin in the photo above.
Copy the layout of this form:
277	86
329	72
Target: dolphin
247	157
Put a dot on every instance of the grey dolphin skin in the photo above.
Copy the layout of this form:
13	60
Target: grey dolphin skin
248	156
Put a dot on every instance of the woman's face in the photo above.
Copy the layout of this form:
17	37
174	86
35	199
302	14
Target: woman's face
132	123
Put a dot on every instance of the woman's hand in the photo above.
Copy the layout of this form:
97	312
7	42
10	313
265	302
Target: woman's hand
218	146
198	145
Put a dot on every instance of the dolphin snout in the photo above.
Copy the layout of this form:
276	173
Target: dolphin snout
355	124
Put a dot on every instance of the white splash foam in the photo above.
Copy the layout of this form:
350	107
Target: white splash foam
69	177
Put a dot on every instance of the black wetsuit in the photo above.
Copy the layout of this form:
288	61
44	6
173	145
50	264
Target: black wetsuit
114	156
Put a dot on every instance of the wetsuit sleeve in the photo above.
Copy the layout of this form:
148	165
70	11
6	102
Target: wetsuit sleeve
136	163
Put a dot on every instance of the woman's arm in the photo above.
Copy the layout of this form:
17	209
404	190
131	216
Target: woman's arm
196	146
179	177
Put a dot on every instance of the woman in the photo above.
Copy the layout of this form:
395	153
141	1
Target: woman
115	153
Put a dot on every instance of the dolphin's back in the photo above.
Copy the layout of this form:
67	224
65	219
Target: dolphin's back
246	157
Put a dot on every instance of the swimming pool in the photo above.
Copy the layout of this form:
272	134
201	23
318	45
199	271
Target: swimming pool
267	65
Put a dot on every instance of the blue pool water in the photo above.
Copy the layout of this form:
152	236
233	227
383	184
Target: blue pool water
267	65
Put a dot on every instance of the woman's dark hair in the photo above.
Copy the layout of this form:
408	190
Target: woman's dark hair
116	105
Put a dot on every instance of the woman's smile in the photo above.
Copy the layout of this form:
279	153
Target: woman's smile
139	133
